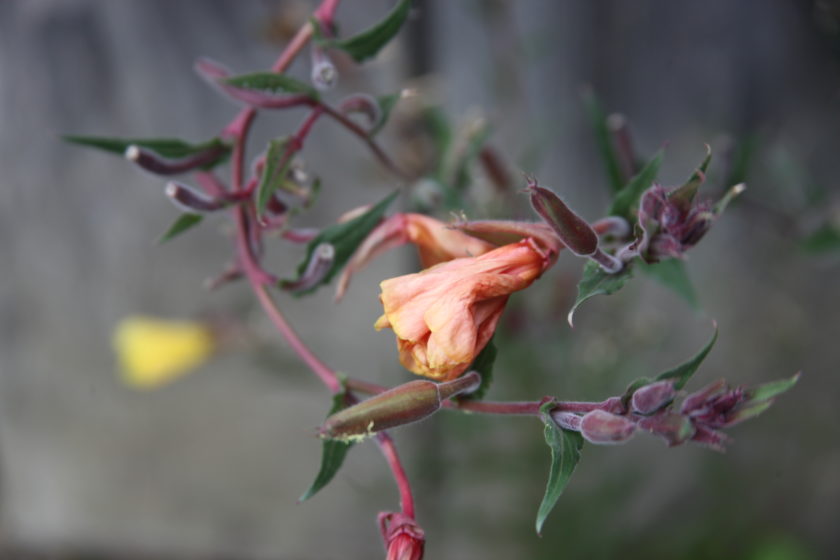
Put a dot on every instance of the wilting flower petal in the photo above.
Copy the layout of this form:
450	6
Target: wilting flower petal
436	242
152	352
445	315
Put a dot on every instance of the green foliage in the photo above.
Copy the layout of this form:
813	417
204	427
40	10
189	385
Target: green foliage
483	364
604	139
386	105
183	223
565	449
672	274
367	44
595	282
274	173
679	374
824	240
627	199
344	238
333	453
683	372
271	83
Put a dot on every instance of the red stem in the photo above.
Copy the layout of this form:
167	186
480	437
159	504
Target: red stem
319	368
386	444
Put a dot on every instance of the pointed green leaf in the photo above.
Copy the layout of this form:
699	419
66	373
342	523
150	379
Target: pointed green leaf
277	162
672	274
333	453
595	282
271	83
386	105
344	238
604	140
628	197
169	148
681	373
483	364
770	390
183	223
366	44
565	449
684	194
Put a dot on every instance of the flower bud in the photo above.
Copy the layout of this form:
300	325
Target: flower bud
403	404
567	420
317	268
650	398
572	230
602	427
672	427
159	165
404	539
190	200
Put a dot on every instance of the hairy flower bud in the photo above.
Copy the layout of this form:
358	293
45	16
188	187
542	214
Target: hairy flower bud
190	200
403	404
650	398
159	165
573	231
602	427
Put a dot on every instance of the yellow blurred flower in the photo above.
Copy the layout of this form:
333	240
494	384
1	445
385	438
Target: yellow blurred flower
153	351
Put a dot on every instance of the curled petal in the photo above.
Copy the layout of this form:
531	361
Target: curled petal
444	316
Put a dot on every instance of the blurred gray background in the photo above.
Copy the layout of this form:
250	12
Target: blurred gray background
211	466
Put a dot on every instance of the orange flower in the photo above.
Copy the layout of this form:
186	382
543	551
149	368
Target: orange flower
436	242
445	315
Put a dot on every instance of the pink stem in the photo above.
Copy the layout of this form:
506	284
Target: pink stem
319	368
386	445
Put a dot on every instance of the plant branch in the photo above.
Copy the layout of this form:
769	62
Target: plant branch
386	444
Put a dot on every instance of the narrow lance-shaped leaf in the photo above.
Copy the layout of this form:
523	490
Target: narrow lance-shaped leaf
596	281
344	238
672	274
333	453
683	372
276	166
769	390
183	223
368	43
565	449
169	148
684	194
628	197
604	140
271	83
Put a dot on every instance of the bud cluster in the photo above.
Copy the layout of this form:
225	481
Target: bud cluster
650	408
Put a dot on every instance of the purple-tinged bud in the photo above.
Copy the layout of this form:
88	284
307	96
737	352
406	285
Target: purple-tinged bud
324	75
672	427
710	438
650	398
602	427
154	163
572	230
567	420
317	268
364	104
401	405
696	402
190	200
